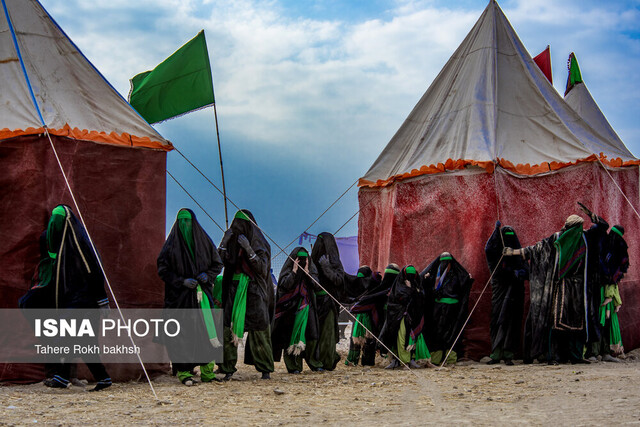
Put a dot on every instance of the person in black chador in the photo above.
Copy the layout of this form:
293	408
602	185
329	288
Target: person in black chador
614	262
247	295
369	312
188	264
69	276
403	330
331	276
560	285
296	319
447	285
507	294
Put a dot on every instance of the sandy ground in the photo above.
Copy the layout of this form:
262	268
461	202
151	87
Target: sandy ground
470	393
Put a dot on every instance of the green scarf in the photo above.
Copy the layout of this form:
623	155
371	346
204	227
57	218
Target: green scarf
570	247
298	341
239	308
615	336
207	316
185	224
360	334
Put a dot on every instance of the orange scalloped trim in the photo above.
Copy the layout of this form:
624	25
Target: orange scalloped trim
521	169
123	139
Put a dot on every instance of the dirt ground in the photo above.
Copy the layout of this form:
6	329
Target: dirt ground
470	393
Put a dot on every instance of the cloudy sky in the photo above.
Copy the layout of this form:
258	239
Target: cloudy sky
309	92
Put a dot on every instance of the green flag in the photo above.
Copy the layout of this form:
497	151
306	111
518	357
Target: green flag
574	73
180	84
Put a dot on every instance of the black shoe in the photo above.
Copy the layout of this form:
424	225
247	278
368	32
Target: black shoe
227	377
493	362
266	376
102	384
508	362
393	365
57	382
189	381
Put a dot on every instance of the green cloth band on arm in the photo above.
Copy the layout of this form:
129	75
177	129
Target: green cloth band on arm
321	293
447	300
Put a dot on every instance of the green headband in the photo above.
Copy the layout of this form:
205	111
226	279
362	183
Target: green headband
303	254
509	233
242	215
411	270
59	210
391	271
617	231
446	258
184	214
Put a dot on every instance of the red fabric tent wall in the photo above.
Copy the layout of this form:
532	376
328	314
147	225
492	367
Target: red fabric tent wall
121	193
413	221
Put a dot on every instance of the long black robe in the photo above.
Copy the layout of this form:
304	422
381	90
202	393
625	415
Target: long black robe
287	302
175	264
507	289
332	279
445	320
404	302
260	292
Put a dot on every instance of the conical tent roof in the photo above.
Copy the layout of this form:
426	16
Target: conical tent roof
73	98
491	105
580	99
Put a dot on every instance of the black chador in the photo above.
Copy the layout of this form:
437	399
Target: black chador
296	318
447	285
507	294
404	323
68	276
189	264
331	276
369	312
248	295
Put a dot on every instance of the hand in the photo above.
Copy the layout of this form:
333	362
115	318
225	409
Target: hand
508	251
244	242
190	283
203	278
606	301
295	265
498	224
324	261
618	308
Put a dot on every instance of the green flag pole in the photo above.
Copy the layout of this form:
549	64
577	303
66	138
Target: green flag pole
224	189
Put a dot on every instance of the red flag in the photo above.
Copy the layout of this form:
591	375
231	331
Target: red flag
544	63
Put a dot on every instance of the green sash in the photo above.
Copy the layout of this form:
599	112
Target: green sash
208	318
298	341
239	308
420	346
360	334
